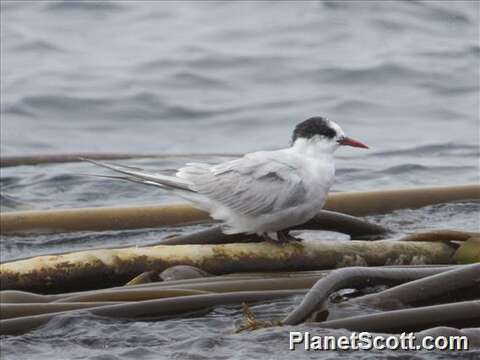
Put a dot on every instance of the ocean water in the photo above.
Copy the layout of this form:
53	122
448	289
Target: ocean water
227	77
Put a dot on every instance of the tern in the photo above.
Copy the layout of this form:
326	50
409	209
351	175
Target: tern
264	192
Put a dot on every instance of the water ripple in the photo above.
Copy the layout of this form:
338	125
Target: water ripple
85	6
449	149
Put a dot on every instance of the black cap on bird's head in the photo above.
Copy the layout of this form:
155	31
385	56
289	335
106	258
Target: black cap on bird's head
323	128
314	126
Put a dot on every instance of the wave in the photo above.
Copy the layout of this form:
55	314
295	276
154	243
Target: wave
88	6
416	168
38	46
449	148
139	105
12	203
372	74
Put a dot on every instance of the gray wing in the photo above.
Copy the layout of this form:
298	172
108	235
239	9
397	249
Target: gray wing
251	185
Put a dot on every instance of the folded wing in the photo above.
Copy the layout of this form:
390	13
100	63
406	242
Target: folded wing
249	186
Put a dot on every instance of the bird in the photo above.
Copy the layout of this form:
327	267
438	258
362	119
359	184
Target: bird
263	192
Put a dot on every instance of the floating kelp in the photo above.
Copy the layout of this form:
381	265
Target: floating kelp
324	220
173	288
429	288
20	297
384	201
136	294
113	267
184	296
150	308
434	281
148	298
144	278
459	314
354	277
441	235
469	252
8	311
98	219
154	292
177	272
181	272
351	203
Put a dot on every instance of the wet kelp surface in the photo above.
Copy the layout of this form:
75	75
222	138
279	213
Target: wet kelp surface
274	310
200	334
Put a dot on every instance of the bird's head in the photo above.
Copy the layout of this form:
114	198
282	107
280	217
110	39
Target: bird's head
322	133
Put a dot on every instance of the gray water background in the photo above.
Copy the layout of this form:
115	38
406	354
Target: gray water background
227	77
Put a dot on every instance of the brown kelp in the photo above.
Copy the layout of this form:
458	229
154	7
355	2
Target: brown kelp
353	277
425	289
147	297
113	267
469	251
458	314
97	219
150	308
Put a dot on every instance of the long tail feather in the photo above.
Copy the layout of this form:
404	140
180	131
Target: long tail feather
141	176
129	179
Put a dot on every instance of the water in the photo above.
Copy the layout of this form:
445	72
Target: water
229	77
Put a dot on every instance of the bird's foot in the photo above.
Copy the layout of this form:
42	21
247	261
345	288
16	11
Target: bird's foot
285	237
282	238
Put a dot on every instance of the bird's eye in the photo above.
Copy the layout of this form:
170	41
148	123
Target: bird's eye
340	139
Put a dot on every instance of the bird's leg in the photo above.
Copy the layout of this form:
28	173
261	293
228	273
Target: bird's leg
268	238
285	237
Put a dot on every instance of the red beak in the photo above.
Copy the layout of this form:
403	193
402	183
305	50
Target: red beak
350	142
